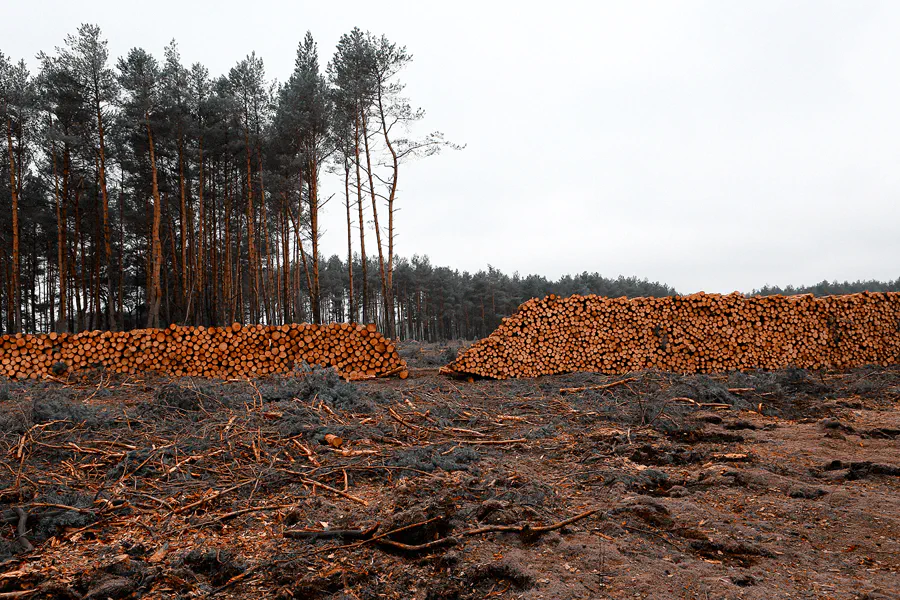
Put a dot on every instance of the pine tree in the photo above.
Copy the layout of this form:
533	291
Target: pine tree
350	75
305	103
139	76
85	57
247	85
16	110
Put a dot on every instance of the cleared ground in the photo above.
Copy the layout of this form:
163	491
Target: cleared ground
786	486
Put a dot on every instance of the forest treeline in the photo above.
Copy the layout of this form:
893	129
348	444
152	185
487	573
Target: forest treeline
143	191
439	303
831	288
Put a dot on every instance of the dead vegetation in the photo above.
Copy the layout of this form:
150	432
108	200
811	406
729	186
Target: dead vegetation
766	484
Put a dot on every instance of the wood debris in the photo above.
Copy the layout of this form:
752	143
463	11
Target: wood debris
356	351
700	333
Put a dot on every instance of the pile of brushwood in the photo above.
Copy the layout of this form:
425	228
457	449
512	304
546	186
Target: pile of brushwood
763	484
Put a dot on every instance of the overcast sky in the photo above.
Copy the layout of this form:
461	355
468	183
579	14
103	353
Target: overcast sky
713	146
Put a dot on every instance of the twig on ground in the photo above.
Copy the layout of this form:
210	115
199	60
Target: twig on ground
606	386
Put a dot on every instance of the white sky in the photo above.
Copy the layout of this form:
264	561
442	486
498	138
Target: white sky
714	146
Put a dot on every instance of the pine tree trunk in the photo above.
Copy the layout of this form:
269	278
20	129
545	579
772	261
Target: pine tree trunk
239	277
155	293
314	235
16	295
299	241
200	252
391	196
78	268
351	314
185	288
213	245
362	228
286	263
268	296
251	250
228	292
107	246
212	288
121	295
384	290
62	323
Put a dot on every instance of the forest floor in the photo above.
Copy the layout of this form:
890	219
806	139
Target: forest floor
654	485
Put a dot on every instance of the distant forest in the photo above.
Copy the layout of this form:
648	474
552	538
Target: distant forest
831	288
140	192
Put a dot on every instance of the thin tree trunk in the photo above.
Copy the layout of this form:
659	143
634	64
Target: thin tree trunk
385	294
391	196
215	254
362	228
16	293
314	235
121	295
270	283
228	292
169	296
251	255
351	314
62	323
185	288
299	242
107	246
156	246
286	266
200	264
78	269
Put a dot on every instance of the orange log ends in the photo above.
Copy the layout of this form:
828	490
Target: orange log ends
356	351
700	333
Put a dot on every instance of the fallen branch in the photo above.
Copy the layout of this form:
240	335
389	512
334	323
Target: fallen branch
438	543
716	405
527	529
383	535
237	513
21	529
341	493
236	579
64	507
397	418
215	495
573	390
492	442
528	532
20	594
326	534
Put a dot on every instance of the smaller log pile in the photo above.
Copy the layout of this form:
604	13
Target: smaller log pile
356	351
700	333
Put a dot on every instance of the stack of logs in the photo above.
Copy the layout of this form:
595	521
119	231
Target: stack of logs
356	351
700	333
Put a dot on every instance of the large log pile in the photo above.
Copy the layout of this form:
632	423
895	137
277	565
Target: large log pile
357	351
701	333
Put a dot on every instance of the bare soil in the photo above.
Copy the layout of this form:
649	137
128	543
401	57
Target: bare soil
761	485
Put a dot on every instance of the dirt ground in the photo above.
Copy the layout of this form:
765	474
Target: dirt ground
651	485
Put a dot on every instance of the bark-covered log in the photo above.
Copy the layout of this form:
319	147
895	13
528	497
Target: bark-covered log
700	333
356	351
